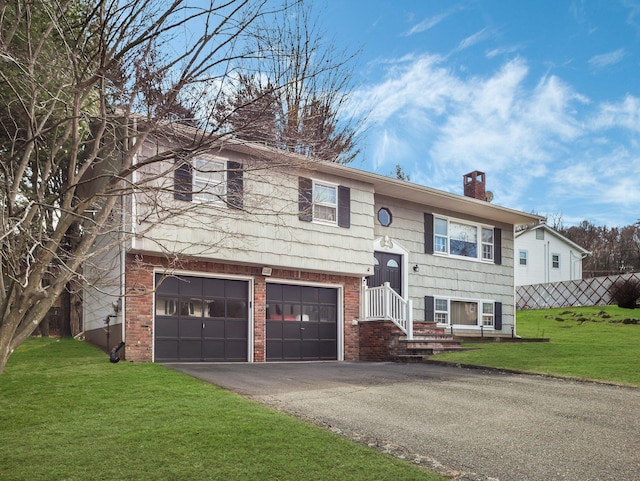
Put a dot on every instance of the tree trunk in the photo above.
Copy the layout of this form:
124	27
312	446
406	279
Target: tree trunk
64	318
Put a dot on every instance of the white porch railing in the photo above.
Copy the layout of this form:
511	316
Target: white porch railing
383	303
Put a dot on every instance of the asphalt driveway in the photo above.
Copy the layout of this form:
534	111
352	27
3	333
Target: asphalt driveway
467	423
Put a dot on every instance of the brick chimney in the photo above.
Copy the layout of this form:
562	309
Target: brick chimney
474	185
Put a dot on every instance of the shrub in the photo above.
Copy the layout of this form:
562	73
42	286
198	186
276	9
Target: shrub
625	292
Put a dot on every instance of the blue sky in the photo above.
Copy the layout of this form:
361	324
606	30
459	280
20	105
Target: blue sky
541	95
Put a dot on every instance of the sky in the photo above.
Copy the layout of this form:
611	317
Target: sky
541	95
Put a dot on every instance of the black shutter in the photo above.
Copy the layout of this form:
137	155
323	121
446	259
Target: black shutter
344	206
305	199
182	177
497	316
429	309
497	246
428	233
235	185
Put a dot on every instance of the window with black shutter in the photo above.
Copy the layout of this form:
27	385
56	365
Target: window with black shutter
212	180
323	202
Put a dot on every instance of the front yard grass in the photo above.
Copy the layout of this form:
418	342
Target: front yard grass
66	413
596	343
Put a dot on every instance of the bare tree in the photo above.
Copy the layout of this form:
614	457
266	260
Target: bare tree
83	86
297	95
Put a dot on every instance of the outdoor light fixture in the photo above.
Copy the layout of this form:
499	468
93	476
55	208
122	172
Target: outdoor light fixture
266	271
416	268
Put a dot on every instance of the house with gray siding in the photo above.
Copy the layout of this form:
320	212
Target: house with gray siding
272	256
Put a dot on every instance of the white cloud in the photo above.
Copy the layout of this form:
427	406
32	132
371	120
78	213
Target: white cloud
473	39
496	52
604	60
624	114
529	135
430	22
427	24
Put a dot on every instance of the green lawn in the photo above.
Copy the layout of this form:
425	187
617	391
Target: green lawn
595	343
66	413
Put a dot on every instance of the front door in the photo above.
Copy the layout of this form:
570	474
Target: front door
387	268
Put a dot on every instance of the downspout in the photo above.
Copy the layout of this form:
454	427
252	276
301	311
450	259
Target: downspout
547	260
123	232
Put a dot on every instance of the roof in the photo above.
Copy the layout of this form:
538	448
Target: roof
383	185
554	233
399	189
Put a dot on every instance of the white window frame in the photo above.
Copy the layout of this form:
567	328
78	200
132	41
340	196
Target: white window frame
555	262
439	238
324	204
521	258
209	178
486	319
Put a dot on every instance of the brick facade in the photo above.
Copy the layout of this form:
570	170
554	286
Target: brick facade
139	301
376	340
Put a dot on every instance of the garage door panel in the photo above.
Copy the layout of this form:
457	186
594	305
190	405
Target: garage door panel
310	330
311	351
327	331
291	350
190	350
236	329
191	286
290	330
236	350
166	349
310	294
235	290
167	285
274	348
274	329
167	327
328	296
190	328
213	329
328	349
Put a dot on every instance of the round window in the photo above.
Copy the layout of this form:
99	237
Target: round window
384	216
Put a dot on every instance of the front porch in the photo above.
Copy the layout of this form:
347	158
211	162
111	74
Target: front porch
388	331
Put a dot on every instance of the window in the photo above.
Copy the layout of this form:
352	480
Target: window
523	258
384	217
465	313
441	235
209	183
555	261
207	179
487	244
464	239
487	314
441	311
325	202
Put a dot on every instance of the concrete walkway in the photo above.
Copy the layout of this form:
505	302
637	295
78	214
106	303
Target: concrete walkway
468	424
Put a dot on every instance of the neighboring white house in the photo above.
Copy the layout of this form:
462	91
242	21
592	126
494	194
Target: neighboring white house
544	255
